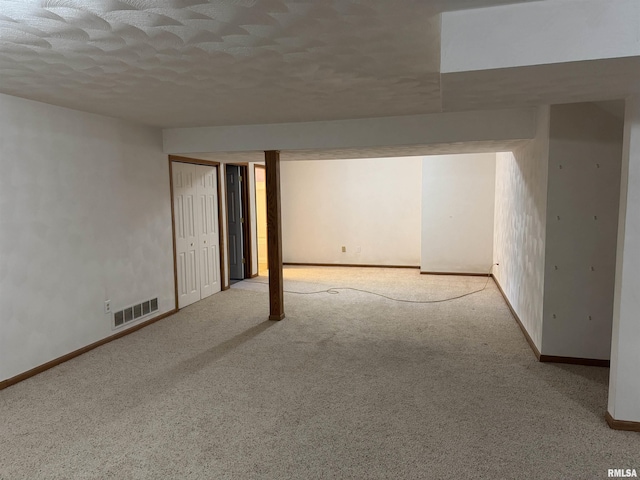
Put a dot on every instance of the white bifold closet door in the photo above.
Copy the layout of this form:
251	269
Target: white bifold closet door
195	192
209	236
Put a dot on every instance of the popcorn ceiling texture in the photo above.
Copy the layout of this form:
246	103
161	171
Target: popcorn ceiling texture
194	62
182	63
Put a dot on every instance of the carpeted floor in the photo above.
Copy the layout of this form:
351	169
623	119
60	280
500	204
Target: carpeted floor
347	386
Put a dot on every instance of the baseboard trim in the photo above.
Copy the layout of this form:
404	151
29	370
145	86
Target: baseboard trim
299	264
254	275
57	361
589	362
536	352
621	424
461	274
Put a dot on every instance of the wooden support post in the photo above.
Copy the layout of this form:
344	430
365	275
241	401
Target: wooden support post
274	236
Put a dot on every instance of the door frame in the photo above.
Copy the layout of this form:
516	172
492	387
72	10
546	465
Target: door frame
221	242
255	208
246	214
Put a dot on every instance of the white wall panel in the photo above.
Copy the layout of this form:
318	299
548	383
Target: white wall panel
520	226
458	200
585	154
373	204
84	217
624	383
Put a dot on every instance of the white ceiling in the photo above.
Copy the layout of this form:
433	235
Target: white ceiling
178	63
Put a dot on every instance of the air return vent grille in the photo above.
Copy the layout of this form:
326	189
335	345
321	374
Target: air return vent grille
134	312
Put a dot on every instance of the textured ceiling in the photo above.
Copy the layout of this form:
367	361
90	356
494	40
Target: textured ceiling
175	63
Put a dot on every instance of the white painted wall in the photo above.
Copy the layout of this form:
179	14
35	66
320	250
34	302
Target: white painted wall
585	154
537	33
520	226
624	382
85	216
373	204
458	199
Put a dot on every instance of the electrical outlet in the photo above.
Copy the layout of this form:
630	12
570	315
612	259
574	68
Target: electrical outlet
344	249
107	306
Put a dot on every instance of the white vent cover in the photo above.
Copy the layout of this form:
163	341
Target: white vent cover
134	312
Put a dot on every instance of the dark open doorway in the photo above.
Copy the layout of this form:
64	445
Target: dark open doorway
238	221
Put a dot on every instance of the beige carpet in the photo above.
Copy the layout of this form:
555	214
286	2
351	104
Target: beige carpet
347	386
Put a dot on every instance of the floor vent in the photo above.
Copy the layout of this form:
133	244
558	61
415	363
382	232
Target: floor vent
135	312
